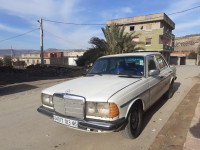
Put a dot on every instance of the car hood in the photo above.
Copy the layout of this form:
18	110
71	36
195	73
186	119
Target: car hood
94	88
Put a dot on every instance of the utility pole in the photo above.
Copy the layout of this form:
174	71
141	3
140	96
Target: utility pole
198	53
41	42
11	53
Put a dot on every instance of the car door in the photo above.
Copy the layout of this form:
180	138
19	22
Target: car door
165	73
155	84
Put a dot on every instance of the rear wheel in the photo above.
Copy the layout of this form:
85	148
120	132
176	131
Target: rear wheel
132	129
169	93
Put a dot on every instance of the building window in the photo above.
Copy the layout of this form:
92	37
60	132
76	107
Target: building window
161	39
27	60
45	61
37	61
148	41
161	25
132	28
136	39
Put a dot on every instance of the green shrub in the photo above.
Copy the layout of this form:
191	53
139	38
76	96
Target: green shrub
192	55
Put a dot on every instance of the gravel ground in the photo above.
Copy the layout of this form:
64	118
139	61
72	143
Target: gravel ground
22	127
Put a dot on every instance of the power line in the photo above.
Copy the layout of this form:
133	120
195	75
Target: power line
70	23
62	38
19	35
184	10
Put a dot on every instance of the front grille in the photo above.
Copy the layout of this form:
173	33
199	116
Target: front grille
69	105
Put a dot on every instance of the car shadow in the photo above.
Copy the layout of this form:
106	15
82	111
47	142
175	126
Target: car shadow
6	90
195	130
149	113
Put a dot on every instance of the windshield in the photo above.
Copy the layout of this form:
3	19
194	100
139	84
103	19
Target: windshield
133	65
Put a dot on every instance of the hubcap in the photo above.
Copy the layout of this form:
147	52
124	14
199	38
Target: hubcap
134	120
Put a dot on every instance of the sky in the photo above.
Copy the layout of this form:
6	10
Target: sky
20	16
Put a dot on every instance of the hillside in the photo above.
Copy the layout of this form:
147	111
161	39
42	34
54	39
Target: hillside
16	52
186	36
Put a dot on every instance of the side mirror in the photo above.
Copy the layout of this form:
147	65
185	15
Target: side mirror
154	72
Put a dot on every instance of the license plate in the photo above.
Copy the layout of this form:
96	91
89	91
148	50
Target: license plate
65	121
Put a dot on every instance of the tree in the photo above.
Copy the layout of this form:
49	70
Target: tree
7	61
198	50
192	55
91	55
198	53
116	41
1	62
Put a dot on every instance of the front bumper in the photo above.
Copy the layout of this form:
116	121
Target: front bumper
89	123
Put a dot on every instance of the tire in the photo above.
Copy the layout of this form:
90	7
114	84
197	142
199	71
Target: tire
132	129
170	93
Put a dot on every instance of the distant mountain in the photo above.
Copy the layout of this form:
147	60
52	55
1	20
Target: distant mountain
186	36
16	52
63	50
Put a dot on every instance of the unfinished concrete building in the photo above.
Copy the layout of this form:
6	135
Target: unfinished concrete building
155	31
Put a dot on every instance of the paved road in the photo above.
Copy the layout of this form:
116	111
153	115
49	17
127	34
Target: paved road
23	128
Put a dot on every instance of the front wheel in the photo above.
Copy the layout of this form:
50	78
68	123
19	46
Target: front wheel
132	129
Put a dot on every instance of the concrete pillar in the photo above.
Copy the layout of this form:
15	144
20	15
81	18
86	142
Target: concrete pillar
179	61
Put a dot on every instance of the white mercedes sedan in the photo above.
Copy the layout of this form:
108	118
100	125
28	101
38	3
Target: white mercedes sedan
113	95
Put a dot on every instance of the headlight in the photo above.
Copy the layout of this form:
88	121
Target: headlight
91	108
47	99
104	110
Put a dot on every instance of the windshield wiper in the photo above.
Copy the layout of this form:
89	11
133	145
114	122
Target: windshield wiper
129	76
90	74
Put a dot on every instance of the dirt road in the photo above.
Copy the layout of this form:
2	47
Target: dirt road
23	128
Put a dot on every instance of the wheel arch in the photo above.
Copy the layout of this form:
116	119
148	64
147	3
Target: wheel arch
172	80
138	102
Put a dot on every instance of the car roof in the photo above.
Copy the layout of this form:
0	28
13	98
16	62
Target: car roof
132	54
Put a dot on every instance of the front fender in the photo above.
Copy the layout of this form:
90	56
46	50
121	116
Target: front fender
132	103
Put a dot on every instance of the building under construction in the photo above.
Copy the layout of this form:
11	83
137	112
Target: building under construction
154	30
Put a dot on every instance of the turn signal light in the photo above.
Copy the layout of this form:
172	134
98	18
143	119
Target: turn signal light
114	111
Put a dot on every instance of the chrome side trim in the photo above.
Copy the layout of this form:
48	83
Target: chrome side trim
129	101
126	103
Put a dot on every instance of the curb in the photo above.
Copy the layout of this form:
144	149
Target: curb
173	135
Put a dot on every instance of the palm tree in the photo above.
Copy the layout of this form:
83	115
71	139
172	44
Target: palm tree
118	41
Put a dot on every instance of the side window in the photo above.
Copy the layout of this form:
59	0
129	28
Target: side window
151	63
161	62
